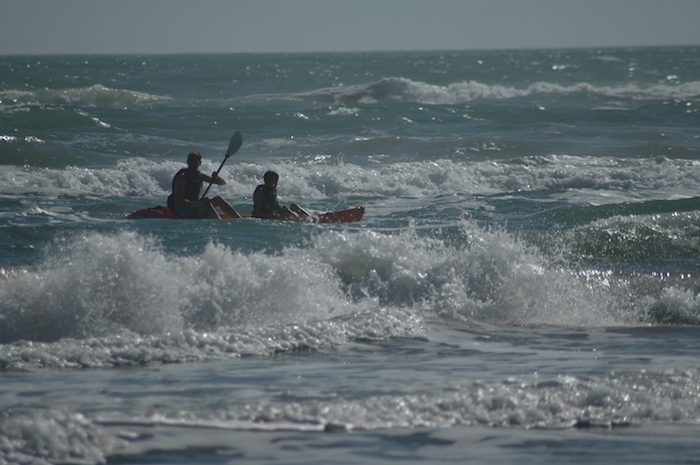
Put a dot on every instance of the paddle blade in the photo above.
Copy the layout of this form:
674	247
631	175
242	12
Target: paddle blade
235	144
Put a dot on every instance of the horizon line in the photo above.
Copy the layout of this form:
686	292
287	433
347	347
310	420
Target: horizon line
300	52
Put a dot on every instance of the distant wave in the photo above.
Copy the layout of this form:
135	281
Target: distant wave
96	95
626	178
587	213
393	89
399	89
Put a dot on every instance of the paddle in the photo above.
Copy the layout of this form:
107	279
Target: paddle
233	147
299	211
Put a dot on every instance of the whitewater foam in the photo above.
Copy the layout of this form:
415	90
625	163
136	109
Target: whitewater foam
125	295
59	435
43	437
519	402
104	300
581	179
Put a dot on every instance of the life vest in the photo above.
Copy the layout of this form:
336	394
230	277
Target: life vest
193	185
265	204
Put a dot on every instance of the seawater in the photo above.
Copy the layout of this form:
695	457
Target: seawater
523	287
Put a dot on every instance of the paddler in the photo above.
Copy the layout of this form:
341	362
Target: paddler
187	183
265	204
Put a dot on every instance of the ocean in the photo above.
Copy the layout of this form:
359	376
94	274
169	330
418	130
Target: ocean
523	287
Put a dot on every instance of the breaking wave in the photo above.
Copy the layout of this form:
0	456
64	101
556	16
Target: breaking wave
399	89
664	178
96	95
105	300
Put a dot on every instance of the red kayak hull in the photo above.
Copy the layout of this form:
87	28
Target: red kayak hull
350	215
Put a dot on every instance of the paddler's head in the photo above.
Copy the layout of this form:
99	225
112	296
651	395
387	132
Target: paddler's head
271	178
194	159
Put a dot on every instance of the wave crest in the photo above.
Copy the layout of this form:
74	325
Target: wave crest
400	89
103	300
96	95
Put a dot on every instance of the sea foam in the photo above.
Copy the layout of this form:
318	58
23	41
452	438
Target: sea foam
98	284
346	285
558	402
140	177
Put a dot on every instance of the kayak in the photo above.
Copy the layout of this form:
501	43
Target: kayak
350	215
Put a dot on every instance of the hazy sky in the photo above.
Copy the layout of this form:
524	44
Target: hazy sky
183	26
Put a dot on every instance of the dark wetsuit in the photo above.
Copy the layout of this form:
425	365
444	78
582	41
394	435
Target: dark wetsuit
265	204
193	185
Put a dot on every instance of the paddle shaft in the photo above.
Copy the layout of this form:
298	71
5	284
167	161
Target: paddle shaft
233	147
215	175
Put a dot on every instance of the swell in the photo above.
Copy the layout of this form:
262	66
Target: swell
577	214
96	95
401	89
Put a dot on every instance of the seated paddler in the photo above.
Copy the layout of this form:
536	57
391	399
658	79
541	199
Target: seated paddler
184	201
266	205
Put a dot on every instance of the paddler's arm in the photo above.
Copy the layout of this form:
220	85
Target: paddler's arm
214	179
